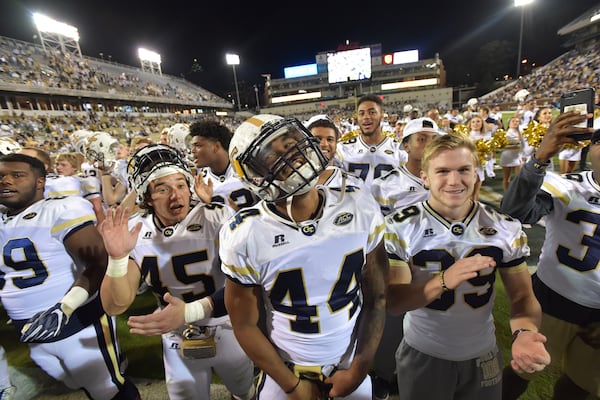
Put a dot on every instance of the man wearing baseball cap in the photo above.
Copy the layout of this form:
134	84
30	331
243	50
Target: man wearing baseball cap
398	189
403	186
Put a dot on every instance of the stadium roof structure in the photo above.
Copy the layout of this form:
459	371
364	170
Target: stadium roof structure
587	19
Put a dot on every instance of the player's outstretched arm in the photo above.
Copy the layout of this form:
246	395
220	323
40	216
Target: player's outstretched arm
528	351
371	321
204	190
120	283
523	199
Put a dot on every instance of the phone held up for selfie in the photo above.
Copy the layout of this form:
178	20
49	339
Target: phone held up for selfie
583	102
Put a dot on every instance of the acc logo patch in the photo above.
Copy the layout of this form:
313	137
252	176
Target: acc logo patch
457	229
388	151
30	215
194	227
343	219
488	231
168	232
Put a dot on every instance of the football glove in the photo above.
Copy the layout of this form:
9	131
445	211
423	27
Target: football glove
45	325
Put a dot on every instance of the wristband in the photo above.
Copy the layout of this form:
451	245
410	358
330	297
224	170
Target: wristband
443	282
537	164
74	298
518	332
197	310
294	388
117	267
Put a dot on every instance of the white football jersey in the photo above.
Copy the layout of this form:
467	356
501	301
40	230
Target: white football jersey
310	273
229	186
397	189
60	186
570	258
336	179
90	187
119	172
459	325
370	162
36	270
183	259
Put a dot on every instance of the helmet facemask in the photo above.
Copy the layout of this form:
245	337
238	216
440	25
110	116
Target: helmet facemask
284	160
152	162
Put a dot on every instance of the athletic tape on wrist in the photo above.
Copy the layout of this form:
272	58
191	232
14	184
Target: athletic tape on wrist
74	299
117	267
197	310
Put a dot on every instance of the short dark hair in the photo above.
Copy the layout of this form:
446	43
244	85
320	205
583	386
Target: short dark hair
36	165
371	97
325	123
212	129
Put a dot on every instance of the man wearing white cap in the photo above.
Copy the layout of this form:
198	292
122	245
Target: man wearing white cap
403	186
397	189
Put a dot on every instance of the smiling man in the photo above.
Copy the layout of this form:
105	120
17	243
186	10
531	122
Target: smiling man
372	153
453	247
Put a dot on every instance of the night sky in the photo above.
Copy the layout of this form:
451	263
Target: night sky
269	36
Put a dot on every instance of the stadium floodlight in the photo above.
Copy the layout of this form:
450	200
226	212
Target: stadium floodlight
521	3
57	35
233	60
150	61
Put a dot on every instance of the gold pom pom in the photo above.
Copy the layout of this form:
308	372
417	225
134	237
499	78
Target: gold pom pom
534	133
461	129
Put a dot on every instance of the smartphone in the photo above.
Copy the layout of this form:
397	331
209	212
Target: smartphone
583	102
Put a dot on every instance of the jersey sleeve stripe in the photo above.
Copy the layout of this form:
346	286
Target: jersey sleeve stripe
243	271
376	232
73	222
556	192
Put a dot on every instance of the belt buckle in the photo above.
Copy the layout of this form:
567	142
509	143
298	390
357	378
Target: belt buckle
198	342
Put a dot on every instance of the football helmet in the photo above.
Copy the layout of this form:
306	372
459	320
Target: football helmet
80	139
155	161
101	147
179	137
276	157
8	145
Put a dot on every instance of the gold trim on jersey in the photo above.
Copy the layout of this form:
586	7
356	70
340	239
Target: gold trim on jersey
398	263
516	269
556	192
466	221
519	242
110	348
73	222
64	193
378	229
394	238
245	271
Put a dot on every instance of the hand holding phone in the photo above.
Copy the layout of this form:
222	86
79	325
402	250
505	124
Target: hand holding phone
581	101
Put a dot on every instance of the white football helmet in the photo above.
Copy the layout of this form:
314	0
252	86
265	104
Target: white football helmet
80	139
276	157
101	147
179	137
472	102
8	145
155	161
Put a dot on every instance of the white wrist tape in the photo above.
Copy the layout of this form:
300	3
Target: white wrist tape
117	267
199	309
74	298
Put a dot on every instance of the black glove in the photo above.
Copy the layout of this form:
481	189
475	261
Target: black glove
45	325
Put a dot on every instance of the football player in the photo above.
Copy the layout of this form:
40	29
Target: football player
314	255
403	185
567	280
177	255
215	180
454	247
397	189
371	153
51	270
324	129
